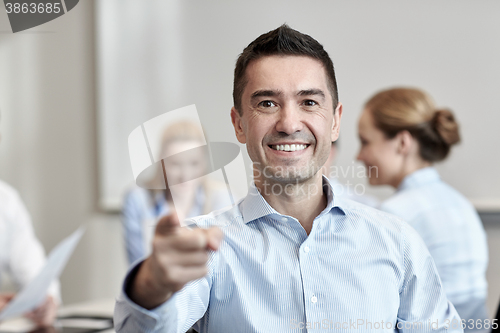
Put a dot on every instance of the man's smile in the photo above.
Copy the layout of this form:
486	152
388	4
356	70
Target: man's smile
289	147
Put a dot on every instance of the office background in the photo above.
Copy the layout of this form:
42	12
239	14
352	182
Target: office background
54	122
156	58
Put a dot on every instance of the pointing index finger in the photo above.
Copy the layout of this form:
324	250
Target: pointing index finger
167	225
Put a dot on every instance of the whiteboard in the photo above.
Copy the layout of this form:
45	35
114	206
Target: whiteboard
157	56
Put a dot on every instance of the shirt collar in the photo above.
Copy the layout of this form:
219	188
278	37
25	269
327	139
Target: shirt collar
254	205
419	177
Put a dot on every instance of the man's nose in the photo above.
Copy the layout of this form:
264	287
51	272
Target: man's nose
289	120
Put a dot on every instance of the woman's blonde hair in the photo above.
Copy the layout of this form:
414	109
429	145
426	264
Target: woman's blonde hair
408	109
182	131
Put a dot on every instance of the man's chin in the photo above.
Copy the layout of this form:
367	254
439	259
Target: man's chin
294	178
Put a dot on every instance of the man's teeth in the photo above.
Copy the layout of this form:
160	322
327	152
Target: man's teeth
289	147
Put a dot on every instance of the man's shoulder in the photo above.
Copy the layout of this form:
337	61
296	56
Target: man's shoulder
379	224
355	208
369	216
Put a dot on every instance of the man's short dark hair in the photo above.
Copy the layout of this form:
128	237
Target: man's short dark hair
282	41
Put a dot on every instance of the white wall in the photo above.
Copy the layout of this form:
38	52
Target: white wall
49	148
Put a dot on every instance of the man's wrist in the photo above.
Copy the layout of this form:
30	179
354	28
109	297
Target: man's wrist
143	289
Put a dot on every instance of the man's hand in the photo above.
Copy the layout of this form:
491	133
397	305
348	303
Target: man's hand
45	314
5	298
179	256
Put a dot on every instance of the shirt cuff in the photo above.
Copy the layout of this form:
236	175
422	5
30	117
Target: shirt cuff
164	315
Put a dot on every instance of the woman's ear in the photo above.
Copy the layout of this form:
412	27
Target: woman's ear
405	142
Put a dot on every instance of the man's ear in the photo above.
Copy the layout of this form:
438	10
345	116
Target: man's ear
238	128
404	142
336	122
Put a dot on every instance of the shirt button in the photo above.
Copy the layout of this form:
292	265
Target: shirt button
284	219
306	249
314	299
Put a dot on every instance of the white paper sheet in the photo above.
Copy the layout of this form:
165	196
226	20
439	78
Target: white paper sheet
35	292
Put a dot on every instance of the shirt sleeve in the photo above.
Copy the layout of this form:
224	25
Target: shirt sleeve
423	303
132	228
27	256
176	315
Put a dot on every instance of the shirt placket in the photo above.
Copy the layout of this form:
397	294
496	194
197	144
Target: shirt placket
308	262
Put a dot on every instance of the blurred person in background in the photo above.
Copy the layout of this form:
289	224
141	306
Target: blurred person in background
142	208
402	135
22	256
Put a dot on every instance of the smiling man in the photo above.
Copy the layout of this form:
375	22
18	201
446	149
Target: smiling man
291	256
286	118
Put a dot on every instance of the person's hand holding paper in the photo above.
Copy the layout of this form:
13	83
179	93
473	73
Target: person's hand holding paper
44	315
5	298
32	301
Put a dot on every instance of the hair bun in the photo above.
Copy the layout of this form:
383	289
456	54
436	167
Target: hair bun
445	125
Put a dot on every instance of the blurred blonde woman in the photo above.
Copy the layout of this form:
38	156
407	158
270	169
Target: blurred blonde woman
402	135
193	196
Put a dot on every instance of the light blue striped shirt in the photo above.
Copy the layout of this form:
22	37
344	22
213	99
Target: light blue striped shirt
453	233
359	270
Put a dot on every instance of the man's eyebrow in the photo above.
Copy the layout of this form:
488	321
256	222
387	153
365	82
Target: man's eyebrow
310	92
265	93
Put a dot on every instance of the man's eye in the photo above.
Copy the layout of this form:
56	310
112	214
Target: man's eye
310	102
267	104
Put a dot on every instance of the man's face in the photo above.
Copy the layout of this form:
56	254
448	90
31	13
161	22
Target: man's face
287	118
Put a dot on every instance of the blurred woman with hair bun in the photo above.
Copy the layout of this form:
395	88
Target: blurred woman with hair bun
402	135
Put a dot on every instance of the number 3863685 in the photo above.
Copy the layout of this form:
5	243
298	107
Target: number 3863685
32	8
